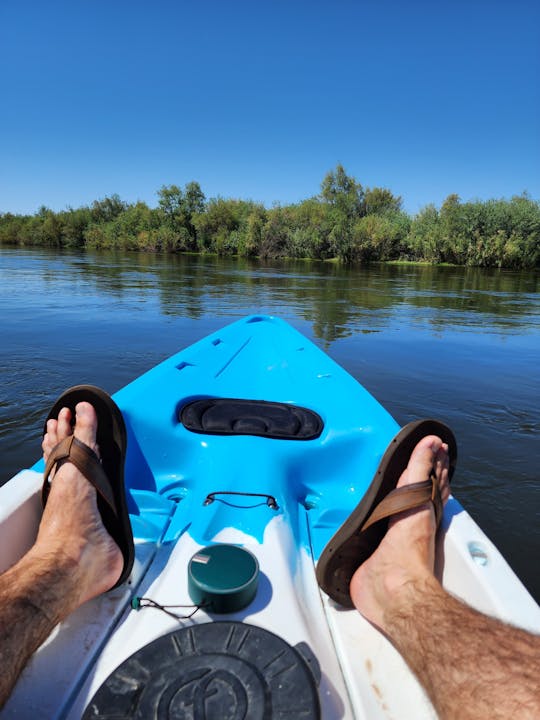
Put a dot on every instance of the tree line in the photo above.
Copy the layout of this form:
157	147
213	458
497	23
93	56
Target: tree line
345	221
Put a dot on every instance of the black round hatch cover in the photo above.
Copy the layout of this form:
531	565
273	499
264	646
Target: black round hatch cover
212	671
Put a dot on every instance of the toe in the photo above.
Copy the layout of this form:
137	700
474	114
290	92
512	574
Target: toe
64	424
421	462
50	439
57	430
442	465
86	424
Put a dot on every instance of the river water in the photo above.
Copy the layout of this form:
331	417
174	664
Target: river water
462	345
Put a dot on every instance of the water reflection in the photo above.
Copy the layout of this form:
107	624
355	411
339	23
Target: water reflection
337	301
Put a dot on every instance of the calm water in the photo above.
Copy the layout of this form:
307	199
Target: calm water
461	345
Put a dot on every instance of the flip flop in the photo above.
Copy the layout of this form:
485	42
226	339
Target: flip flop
105	473
362	532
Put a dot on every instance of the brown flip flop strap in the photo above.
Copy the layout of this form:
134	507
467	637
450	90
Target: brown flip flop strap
408	497
72	450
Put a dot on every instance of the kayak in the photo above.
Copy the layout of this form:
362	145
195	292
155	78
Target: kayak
246	452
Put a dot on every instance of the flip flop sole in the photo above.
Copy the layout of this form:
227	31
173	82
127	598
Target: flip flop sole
350	547
111	438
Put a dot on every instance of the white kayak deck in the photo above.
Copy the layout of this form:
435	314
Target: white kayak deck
362	675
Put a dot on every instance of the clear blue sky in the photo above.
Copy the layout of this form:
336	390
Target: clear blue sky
260	99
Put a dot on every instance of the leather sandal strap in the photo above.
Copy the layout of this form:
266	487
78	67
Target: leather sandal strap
72	450
408	497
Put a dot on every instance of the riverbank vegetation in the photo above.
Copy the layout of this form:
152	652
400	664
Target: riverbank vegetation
346	221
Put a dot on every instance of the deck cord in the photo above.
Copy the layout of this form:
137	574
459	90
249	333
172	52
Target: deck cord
270	499
138	603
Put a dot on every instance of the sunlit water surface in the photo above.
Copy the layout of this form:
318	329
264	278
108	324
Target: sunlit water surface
457	344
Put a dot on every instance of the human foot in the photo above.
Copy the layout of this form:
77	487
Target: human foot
406	553
71	529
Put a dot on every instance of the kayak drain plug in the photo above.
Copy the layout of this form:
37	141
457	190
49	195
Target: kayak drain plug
223	578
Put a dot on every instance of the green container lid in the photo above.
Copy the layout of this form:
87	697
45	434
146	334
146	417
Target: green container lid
223	578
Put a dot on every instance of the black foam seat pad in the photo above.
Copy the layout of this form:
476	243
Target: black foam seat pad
232	416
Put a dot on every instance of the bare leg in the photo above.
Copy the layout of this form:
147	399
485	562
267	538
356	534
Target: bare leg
73	560
471	665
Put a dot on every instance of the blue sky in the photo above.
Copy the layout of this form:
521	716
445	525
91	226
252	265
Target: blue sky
260	99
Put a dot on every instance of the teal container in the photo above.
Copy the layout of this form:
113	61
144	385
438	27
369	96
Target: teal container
223	578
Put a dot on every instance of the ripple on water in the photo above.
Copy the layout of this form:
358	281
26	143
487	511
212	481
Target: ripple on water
460	344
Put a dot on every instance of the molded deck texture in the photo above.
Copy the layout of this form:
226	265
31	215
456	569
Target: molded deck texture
259	358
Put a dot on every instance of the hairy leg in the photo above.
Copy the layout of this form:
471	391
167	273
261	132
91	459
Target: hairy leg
73	560
471	665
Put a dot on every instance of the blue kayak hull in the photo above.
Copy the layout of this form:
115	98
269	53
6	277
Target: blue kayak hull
256	358
313	485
